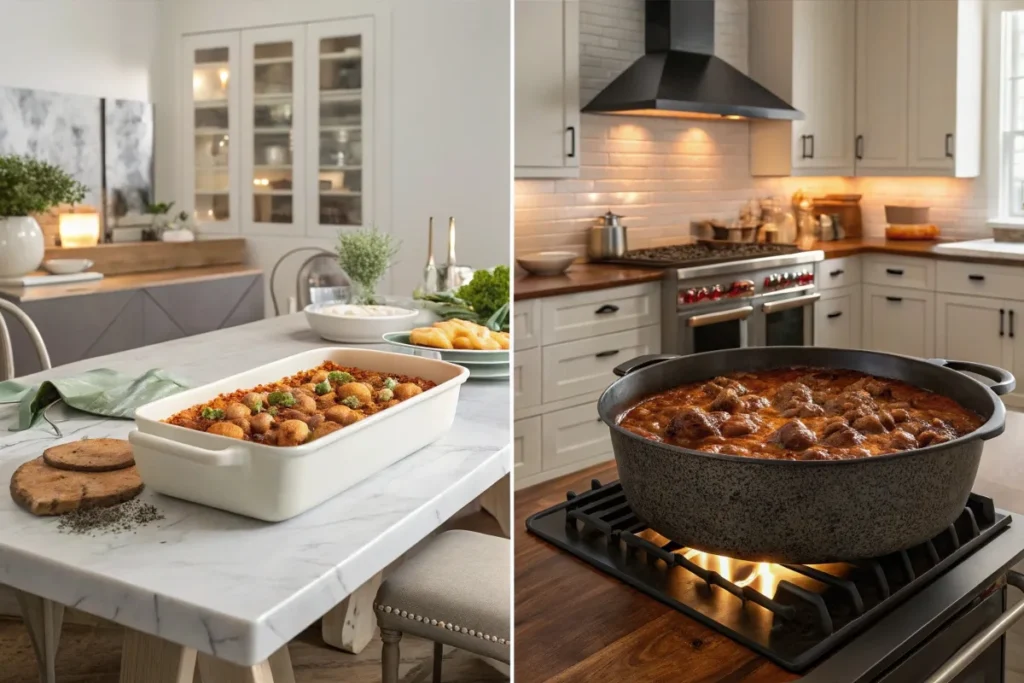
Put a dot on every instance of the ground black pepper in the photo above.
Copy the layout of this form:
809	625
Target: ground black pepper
124	517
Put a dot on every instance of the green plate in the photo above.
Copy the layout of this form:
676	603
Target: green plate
453	356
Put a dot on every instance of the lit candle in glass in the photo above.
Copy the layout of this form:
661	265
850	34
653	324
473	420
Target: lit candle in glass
79	229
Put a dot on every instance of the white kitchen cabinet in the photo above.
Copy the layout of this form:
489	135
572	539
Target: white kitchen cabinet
804	52
837	318
575	438
547	88
899	321
526	377
526	446
974	328
945	93
281	128
882	72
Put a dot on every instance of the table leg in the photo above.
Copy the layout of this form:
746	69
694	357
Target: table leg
218	671
281	666
44	619
497	502
349	626
149	659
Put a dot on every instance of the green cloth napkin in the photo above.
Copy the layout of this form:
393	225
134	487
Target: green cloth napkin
100	392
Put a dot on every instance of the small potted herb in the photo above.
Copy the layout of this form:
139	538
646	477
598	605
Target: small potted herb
365	256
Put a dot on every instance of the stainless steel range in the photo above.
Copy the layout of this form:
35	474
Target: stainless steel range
723	296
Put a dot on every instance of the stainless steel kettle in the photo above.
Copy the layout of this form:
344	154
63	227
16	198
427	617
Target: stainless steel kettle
607	239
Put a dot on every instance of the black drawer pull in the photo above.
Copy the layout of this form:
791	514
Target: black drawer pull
976	278
897	299
836	273
1011	323
607	354
1002	313
949	145
834	315
894	271
607	308
572	136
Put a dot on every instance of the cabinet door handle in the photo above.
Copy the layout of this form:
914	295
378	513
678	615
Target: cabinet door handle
949	145
976	278
1011	323
811	138
834	315
572	141
858	147
606	309
607	354
836	273
894	271
803	146
897	299
1002	313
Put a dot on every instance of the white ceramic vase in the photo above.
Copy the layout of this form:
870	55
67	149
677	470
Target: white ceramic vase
21	246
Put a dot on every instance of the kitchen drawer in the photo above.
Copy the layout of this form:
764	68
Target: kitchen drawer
526	378
526	448
899	271
588	314
837	319
573	435
838	272
525	324
899	321
585	366
974	279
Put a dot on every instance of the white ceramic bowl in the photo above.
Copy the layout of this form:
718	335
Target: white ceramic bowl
546	262
67	266
351	324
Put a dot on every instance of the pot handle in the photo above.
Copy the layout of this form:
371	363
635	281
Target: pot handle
1004	381
641	362
224	457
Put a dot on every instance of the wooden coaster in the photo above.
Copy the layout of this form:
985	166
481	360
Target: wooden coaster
91	455
45	490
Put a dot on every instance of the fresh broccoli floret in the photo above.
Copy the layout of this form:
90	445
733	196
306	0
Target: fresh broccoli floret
351	401
272	411
212	413
390	383
281	398
322	388
487	291
339	377
385	395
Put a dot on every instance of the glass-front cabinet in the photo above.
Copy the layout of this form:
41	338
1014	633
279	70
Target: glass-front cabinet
282	124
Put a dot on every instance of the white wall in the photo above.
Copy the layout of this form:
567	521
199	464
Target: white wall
105	48
450	136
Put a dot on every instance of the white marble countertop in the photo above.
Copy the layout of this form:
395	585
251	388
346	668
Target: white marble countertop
227	585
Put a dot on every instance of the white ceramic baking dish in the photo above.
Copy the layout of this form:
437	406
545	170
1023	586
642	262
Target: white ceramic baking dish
276	483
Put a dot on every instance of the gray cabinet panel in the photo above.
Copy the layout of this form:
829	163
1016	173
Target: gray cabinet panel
157	326
201	306
123	333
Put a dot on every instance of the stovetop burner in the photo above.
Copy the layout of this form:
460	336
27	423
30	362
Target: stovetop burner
792	614
701	254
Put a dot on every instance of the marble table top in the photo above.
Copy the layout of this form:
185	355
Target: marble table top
227	585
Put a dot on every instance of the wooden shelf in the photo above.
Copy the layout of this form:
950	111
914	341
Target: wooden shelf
341	168
334	129
343	95
342	56
273	60
274	193
211	131
271	130
340	193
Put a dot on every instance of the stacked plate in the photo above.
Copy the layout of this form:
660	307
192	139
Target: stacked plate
481	364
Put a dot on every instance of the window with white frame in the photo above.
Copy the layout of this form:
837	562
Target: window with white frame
1011	124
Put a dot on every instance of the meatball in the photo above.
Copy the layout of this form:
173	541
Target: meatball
305	404
849	400
361	391
261	423
728	401
315	421
814	453
844	437
406	390
869	424
902	441
792	392
886	419
228	429
931	437
343	415
292	433
692	423
741	425
254	401
900	415
803	410
324	429
715	386
292	414
326	401
794	436
834	424
752	404
235	411
726	448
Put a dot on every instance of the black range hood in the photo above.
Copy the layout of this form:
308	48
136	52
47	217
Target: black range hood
681	77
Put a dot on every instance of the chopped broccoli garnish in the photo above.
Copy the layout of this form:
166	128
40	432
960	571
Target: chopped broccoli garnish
281	398
339	377
390	383
272	411
351	401
255	405
322	388
385	395
212	413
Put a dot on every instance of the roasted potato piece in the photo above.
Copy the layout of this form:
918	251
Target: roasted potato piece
255	402
228	429
406	390
319	376
261	423
361	391
325	428
244	423
235	411
326	401
343	415
306	404
292	433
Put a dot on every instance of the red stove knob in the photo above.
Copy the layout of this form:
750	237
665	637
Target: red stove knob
687	297
716	292
769	281
702	293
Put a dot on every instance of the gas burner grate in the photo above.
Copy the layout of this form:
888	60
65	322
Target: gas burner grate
701	254
811	610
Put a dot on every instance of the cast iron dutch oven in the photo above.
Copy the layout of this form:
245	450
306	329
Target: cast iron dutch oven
798	511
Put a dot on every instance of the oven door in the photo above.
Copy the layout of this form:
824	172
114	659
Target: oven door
786	321
713	328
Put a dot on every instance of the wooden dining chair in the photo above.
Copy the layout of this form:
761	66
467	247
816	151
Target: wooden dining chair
7	348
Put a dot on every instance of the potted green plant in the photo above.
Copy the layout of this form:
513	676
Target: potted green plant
29	186
365	256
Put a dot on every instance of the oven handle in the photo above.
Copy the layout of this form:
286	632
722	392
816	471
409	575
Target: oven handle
786	304
973	649
741	313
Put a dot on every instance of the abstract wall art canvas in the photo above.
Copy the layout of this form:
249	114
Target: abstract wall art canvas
128	130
